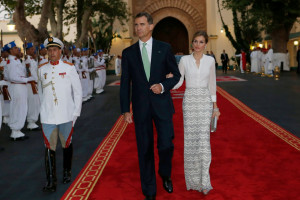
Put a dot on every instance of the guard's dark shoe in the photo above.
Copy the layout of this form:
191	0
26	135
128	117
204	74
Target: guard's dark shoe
67	163
49	187
167	183
50	166
67	176
150	197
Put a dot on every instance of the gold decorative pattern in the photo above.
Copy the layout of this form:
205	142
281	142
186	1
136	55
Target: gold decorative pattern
271	126
85	183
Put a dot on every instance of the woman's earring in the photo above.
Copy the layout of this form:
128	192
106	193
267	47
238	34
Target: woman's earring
205	47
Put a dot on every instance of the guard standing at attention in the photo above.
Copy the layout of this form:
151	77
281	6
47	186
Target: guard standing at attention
61	98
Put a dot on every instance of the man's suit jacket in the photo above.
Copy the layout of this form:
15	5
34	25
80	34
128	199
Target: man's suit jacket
224	58
143	99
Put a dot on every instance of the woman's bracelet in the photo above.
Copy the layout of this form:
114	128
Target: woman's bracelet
216	110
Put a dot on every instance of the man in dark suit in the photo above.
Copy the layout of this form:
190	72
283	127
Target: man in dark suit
225	60
145	65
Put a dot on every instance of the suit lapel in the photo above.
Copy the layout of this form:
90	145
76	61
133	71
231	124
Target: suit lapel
140	64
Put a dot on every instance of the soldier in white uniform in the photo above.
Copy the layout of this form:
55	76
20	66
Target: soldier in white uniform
85	81
66	55
43	53
33	97
18	91
76	61
61	100
102	77
5	97
98	68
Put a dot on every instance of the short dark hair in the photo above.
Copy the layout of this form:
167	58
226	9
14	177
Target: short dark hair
145	14
201	33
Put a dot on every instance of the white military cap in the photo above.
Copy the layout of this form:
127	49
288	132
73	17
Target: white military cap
53	42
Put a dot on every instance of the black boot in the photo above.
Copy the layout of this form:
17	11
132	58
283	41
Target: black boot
68	154
50	164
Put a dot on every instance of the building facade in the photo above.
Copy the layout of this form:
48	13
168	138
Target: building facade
175	22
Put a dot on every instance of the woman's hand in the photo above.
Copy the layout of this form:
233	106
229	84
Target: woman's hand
216	113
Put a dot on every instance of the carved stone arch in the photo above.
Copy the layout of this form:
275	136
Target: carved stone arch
178	14
197	15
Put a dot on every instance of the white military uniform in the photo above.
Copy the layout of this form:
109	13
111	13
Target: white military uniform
60	92
18	92
33	99
85	81
5	83
90	67
42	60
76	62
67	58
101	79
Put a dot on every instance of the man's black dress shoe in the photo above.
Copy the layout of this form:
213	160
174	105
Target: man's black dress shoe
150	198
167	183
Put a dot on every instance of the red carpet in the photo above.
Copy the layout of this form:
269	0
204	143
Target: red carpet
252	159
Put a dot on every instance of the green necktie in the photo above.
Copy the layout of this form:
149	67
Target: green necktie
146	62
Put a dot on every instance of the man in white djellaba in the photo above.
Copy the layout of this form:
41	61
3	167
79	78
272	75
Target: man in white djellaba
118	65
270	65
254	60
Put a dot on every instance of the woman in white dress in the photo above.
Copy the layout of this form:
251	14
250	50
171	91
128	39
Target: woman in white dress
199	106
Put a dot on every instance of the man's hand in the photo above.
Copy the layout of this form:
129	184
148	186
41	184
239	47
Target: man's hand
156	88
170	75
127	117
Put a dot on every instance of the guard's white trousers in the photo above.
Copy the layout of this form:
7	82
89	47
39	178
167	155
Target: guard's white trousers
18	106
33	106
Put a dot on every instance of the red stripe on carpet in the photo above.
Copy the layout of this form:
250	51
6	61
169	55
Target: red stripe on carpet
248	162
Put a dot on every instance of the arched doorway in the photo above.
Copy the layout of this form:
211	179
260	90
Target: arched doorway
172	31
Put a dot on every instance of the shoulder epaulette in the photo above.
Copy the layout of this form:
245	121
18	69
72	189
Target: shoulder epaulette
68	63
41	65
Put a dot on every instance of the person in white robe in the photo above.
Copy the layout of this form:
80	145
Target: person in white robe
254	60
118	65
270	65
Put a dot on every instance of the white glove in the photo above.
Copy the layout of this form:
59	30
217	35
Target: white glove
74	120
3	82
30	79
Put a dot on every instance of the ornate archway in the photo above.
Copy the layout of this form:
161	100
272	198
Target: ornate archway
172	31
192	13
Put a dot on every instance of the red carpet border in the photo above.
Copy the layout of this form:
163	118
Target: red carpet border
274	128
90	174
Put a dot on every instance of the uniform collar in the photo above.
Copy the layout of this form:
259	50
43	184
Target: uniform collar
54	62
